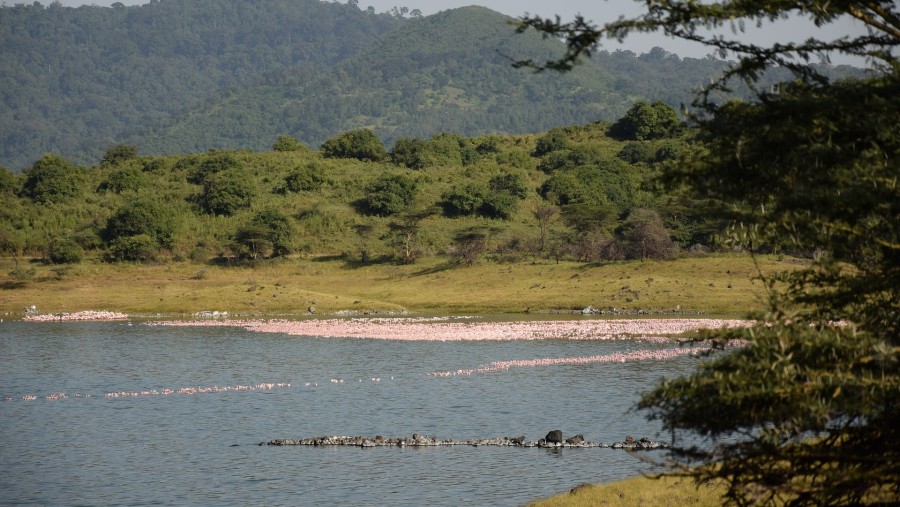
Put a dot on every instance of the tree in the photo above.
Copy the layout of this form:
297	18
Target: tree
389	194
279	230
645	121
646	237
152	219
226	194
361	144
64	251
807	413
119	153
308	178
121	180
287	143
405	232
140	248
544	215
51	179
463	201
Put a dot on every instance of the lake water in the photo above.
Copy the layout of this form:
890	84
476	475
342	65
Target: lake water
201	448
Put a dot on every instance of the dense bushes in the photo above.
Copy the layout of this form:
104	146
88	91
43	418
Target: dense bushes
360	144
389	194
226	194
646	121
51	179
274	203
143	218
269	234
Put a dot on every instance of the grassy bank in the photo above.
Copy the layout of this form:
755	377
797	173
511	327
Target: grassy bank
720	284
639	491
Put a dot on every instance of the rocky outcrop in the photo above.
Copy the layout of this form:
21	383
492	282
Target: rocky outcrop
416	440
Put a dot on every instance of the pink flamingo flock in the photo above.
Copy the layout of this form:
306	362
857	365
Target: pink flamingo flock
431	329
87	315
441	329
266	386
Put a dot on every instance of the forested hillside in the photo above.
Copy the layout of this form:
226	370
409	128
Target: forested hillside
181	76
74	81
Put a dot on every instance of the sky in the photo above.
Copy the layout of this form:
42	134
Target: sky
598	11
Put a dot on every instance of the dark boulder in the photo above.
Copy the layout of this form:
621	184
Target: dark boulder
554	437
577	439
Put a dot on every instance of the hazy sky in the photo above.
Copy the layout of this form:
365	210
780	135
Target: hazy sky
599	11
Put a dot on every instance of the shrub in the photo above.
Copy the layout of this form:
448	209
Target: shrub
119	153
226	194
361	144
646	237
509	183
213	164
278	230
411	152
498	205
637	152
308	178
7	181
147	218
468	246
140	248
288	143
64	251
646	121
51	179
389	194
554	140
122	180
463	201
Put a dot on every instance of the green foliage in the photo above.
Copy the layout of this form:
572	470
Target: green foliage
308	178
64	251
8	182
389	194
637	153
120	153
498	205
139	248
279	230
806	414
51	179
122	180
463	201
554	140
134	68
645	121
411	152
512	184
210	165
361	144
646	237
288	143
143	218
226	193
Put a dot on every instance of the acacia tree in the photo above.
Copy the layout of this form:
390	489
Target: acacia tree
809	412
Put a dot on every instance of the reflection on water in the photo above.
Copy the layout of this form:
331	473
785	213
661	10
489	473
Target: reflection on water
201	448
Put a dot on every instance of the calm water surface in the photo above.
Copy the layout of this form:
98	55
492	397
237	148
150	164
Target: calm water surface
202	449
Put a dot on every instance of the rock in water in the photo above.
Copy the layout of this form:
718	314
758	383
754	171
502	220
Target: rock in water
554	437
577	439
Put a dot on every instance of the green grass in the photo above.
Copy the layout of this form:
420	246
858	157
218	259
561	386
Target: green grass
715	285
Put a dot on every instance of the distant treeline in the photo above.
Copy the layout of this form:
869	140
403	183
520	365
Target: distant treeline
182	76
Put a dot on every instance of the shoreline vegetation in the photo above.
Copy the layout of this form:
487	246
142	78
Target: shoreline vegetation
712	285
